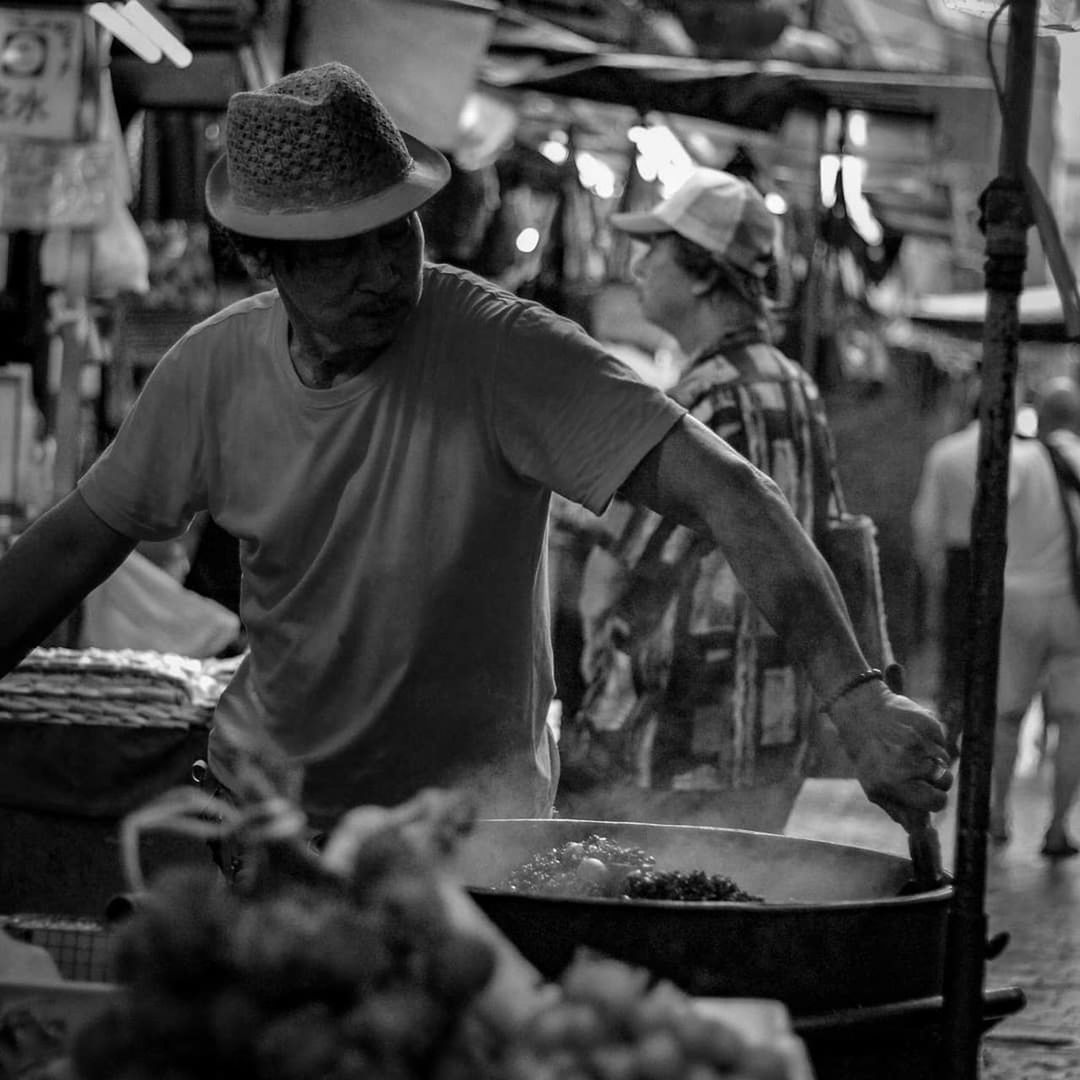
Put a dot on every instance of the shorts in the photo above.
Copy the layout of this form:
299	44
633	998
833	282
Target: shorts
1040	651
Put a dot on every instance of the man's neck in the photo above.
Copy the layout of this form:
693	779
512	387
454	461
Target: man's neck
710	326
322	369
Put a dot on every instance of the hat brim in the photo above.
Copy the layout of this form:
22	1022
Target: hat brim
426	178
642	224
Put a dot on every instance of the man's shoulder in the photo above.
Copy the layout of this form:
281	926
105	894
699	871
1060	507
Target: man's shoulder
463	294
451	285
240	316
225	343
956	448
252	308
762	361
1068	442
1064	447
756	362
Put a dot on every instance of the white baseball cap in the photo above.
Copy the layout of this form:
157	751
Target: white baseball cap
723	213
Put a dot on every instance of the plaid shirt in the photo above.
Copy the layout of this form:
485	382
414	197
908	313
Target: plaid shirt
694	690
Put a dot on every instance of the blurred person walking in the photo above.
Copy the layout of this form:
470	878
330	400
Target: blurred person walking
941	531
1040	629
694	709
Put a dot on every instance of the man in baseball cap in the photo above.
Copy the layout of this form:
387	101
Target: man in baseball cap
382	435
723	214
698	745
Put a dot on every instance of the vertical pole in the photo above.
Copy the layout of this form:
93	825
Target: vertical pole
1006	221
72	329
72	319
813	290
72	304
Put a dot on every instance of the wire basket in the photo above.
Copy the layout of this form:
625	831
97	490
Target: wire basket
81	948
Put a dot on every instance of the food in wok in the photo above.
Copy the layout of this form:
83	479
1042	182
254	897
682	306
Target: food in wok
836	930
598	866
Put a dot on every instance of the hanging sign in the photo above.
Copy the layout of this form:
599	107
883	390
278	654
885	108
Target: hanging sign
52	185
40	72
49	178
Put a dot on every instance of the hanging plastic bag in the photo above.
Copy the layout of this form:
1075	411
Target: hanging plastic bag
141	606
121	262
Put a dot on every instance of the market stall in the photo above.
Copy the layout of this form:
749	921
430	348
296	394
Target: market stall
57	176
88	733
871	952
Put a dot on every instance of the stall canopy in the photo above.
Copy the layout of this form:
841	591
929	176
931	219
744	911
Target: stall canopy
1041	314
755	94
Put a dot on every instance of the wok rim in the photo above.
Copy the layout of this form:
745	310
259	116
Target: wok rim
942	892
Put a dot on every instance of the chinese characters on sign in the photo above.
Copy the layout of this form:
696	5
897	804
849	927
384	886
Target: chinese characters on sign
49	178
40	72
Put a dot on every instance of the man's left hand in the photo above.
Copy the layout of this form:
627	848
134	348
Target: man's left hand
898	748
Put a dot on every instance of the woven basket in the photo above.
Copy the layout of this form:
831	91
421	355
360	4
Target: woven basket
123	687
86	737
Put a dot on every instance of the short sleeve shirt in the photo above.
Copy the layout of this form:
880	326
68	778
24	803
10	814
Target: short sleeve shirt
391	531
717	701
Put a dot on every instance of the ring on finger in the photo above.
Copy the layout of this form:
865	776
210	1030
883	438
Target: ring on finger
939	773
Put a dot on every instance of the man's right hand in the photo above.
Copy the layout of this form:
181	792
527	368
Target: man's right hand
898	749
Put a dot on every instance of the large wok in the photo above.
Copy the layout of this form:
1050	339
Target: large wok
836	931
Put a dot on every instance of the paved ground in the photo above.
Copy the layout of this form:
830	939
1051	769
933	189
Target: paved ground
1037	901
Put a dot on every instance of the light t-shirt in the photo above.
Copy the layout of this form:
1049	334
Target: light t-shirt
1038	562
941	513
391	529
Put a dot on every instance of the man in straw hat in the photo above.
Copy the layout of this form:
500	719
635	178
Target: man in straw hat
383	437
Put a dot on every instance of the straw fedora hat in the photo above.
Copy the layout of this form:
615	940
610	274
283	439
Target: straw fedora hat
316	156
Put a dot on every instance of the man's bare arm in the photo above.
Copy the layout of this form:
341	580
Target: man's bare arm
695	478
698	480
65	554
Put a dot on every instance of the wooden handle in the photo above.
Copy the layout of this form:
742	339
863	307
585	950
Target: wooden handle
924	848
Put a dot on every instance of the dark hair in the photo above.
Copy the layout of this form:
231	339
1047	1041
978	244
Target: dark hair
253	252
1058	403
702	263
257	253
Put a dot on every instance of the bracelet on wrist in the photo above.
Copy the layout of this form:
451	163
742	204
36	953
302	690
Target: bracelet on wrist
870	675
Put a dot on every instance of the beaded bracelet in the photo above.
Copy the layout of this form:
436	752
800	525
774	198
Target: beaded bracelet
853	684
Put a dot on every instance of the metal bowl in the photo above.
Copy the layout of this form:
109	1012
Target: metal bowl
833	933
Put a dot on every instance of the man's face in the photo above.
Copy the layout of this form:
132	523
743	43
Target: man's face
356	292
664	288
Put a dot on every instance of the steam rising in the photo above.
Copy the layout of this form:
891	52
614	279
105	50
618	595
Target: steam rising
782	869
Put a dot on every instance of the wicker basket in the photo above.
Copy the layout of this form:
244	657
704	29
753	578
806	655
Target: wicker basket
86	737
127	687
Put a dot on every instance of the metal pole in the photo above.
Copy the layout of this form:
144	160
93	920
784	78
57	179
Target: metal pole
1005	221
